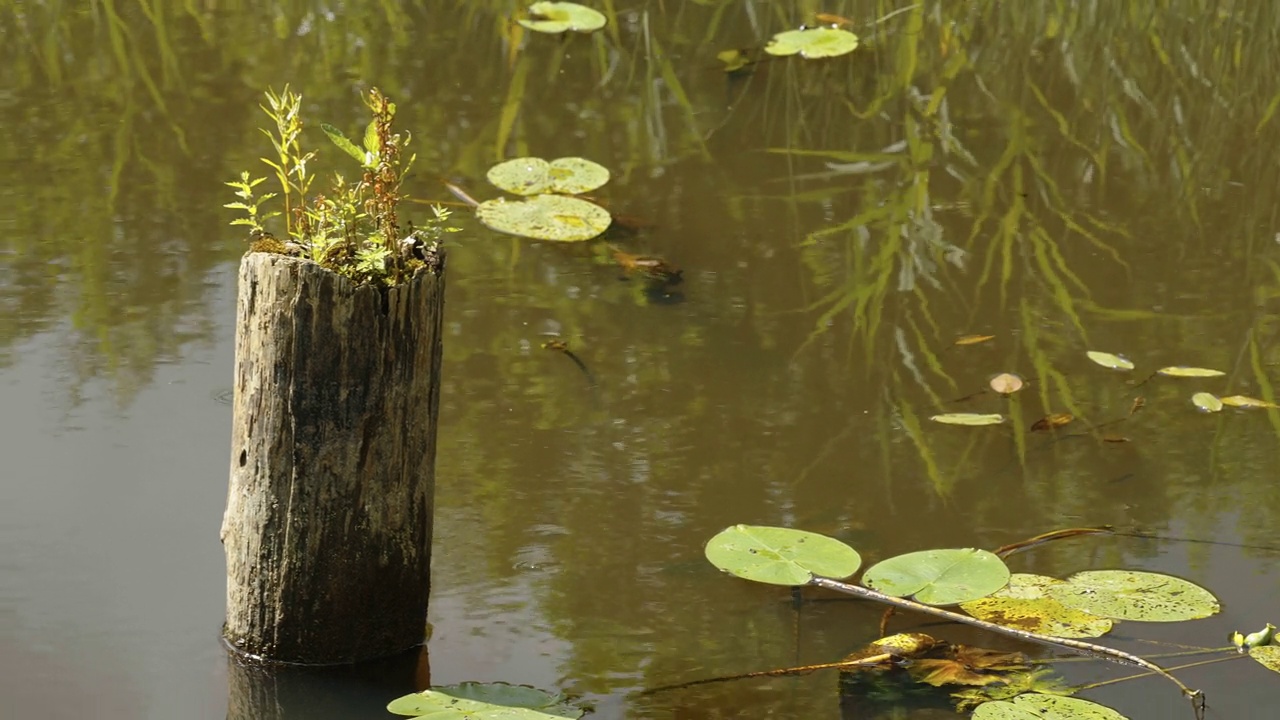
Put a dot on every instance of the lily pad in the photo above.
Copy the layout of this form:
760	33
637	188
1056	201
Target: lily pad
1243	401
780	556
1268	656
1135	595
1045	616
545	217
1024	604
535	176
1107	360
1207	402
1006	383
484	701
1189	372
969	418
1035	706
939	577
812	43
557	17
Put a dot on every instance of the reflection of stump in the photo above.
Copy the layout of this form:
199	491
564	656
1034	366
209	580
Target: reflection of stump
328	523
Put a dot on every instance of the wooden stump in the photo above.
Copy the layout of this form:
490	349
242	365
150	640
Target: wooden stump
328	523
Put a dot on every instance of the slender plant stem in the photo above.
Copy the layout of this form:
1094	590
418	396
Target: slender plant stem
1099	650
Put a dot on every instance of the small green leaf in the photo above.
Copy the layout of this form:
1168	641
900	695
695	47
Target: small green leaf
939	577
336	136
1034	706
969	418
1107	360
813	43
780	556
557	17
1189	372
1207	402
371	144
1135	595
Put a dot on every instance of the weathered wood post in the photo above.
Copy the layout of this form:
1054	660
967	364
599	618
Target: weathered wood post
327	530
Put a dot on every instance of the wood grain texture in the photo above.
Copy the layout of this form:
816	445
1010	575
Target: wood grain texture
327	530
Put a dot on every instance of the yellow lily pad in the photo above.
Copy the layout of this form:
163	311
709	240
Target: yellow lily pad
812	43
969	418
1189	372
545	217
557	17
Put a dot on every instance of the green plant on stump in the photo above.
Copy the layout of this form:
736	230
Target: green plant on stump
353	230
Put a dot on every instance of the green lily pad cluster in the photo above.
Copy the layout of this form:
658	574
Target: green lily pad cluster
1083	605
548	210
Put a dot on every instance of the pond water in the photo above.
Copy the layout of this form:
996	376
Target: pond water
1064	177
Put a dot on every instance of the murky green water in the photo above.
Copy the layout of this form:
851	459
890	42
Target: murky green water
1062	176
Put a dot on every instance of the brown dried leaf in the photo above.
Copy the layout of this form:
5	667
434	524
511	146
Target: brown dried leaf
1052	422
949	672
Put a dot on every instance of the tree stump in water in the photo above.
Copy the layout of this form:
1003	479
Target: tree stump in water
328	523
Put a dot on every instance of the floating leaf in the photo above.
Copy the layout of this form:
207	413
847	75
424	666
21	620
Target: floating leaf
535	176
969	418
484	701
1107	360
813	42
1243	401
1207	402
780	556
1034	706
1189	372
1025	604
575	175
545	217
1052	422
1044	616
939	577
734	60
1135	595
1268	656
557	17
973	339
1006	383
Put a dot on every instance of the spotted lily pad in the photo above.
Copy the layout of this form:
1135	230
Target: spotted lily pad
1036	706
557	17
811	43
1267	655
1135	595
535	176
780	556
1024	604
939	577
545	217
